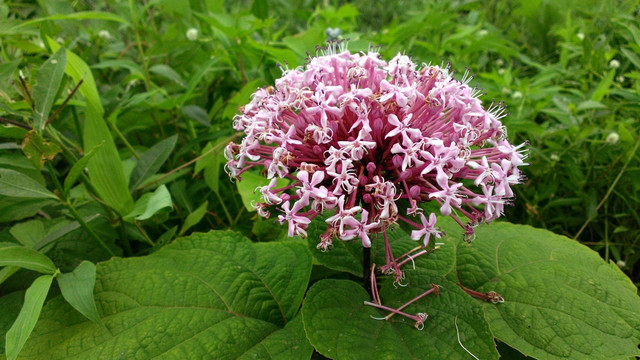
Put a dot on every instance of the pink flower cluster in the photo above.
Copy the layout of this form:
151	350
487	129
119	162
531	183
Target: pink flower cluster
365	142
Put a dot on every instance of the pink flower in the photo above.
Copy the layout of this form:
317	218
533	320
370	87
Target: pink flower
354	135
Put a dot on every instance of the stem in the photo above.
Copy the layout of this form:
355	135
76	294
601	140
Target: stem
613	185
366	270
86	226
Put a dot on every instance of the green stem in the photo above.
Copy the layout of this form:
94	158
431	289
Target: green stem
124	140
86	226
224	208
143	60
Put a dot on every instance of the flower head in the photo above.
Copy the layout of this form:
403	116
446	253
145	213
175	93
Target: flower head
364	142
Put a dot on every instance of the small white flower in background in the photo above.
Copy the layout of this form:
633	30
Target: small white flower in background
60	40
620	79
517	95
192	34
501	71
104	34
621	263
614	64
483	33
499	62
554	157
612	138
580	36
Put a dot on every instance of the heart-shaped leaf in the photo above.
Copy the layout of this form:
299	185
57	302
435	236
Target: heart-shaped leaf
561	299
214	295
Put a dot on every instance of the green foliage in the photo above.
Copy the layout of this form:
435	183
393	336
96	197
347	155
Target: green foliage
112	127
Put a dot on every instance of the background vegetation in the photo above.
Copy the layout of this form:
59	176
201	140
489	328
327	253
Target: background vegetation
164	79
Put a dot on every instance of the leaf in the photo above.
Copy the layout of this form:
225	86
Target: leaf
260	9
37	150
98	15
603	87
248	185
340	326
21	329
77	290
105	167
214	295
195	112
151	161
194	218
288	343
26	258
15	184
343	256
167	72
15	209
10	305
47	84
28	233
78	168
150	204
561	299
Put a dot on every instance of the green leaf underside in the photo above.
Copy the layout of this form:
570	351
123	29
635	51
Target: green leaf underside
151	161
214	295
47	85
28	316
561	299
77	290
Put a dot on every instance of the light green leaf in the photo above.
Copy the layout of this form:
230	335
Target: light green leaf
28	233
15	184
209	295
194	218
562	301
47	84
78	168
105	168
82	15
26	258
151	161
77	289
150	204
248	185
23	326
603	87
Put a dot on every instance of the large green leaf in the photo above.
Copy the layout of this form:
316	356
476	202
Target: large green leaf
47	85
208	296
562	301
105	167
339	325
288	343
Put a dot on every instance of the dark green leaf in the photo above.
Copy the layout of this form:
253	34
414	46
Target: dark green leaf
151	161
21	329
195	112
167	72
215	295
288	343
77	290
561	299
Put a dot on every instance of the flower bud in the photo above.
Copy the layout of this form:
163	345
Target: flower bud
614	64
612	138
104	34
192	34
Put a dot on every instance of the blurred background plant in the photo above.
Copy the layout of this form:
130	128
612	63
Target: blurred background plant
163	80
